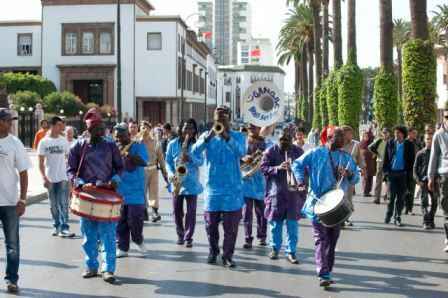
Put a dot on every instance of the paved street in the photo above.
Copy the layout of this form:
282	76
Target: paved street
373	260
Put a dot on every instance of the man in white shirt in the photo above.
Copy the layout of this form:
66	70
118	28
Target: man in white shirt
53	150
13	160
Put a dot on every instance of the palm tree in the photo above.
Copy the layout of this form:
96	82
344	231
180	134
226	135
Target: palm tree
401	32
337	35
351	28
325	39
419	19
440	23
295	37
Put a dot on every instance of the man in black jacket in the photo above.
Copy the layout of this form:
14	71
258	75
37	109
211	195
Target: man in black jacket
421	176
398	165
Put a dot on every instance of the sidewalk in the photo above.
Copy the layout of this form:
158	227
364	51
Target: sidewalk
36	189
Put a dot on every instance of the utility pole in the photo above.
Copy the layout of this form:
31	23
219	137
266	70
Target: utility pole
119	110
205	103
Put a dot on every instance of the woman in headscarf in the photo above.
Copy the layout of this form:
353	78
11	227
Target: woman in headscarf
369	159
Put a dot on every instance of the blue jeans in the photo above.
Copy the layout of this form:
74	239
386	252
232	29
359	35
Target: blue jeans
58	196
93	233
292	228
10	222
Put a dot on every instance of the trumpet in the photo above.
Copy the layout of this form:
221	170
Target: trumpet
218	128
138	138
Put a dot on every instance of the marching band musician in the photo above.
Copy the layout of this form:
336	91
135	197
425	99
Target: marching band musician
96	161
254	190
132	189
179	153
283	203
324	166
224	188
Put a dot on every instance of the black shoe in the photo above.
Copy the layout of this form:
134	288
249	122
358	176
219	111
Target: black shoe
349	223
367	195
323	282
12	287
262	242
146	216
292	259
273	255
211	259
189	244
108	277
376	202
426	226
89	273
247	245
387	220
227	262
432	225
156	218
180	242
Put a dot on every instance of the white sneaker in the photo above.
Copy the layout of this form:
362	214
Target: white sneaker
141	248
121	253
445	249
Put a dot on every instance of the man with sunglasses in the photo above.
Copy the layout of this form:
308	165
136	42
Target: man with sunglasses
438	168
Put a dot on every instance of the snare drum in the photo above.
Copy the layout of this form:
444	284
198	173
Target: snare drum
96	203
332	208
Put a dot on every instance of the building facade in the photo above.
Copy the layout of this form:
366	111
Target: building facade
164	67
442	77
234	81
224	23
256	51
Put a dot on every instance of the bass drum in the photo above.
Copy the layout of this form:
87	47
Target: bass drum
332	208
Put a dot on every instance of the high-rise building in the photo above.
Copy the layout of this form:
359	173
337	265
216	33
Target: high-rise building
222	24
256	51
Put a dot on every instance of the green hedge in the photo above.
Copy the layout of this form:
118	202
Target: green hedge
385	105
66	101
332	97
25	99
317	121
419	83
27	82
323	104
350	83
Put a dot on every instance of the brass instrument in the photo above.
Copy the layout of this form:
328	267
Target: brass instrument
249	168
291	180
181	169
138	138
218	128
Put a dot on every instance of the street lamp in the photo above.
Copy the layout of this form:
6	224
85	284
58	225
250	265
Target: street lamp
30	109
22	109
61	111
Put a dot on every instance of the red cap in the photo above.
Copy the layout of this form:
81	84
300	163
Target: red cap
93	118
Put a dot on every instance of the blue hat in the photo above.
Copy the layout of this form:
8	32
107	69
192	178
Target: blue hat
5	114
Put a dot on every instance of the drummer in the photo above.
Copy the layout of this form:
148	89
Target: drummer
325	166
96	161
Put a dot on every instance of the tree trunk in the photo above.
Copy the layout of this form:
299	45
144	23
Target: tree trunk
419	19
325	45
337	35
351	29
297	87
386	35
304	79
400	75
317	46
310	82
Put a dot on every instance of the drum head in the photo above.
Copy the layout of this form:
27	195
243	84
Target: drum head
329	201
100	195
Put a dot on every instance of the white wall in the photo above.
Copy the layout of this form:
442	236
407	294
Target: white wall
156	73
8	46
55	16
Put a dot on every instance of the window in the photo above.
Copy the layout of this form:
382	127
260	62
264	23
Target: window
88	43
154	41
71	41
105	43
25	44
87	39
179	72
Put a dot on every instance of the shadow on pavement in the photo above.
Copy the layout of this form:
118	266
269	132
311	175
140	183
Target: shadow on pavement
200	289
27	292
43	263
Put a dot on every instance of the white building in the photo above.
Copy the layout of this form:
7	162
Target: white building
442	77
255	51
75	46
234	81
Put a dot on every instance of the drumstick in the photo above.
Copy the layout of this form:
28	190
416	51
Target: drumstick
346	168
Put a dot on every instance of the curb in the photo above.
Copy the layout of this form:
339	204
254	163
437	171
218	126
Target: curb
36	199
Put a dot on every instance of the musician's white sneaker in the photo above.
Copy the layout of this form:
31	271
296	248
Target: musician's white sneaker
141	248
121	253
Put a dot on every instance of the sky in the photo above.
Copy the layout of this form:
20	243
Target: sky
267	18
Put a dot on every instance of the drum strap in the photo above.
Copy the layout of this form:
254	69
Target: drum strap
81	161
